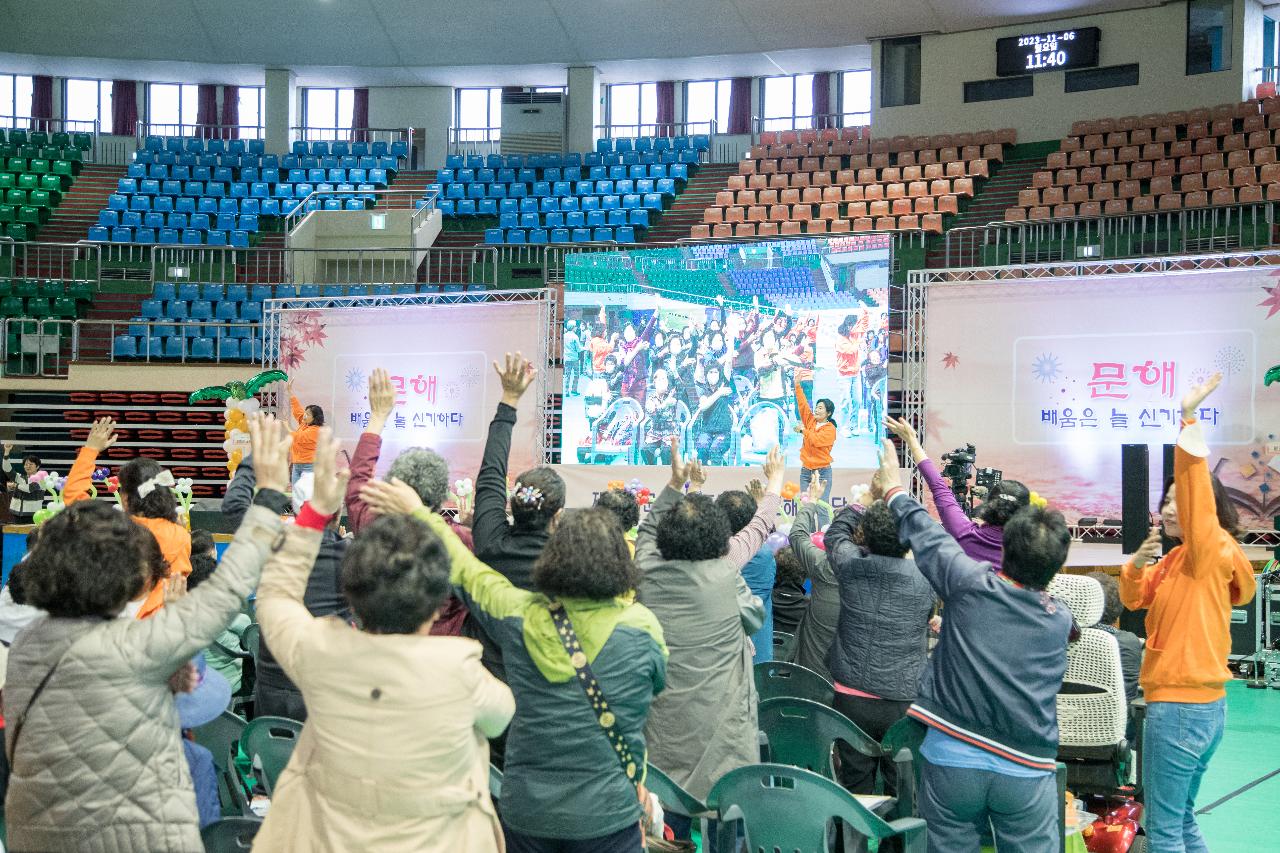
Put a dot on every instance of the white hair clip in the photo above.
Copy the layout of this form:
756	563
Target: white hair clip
164	478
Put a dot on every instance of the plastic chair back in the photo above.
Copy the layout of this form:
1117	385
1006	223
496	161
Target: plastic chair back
230	834
270	741
802	733
778	678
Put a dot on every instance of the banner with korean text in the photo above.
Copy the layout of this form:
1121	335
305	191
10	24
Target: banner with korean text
1049	377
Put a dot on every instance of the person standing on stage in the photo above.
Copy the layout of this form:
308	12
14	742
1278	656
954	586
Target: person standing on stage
1188	596
820	433
849	366
306	426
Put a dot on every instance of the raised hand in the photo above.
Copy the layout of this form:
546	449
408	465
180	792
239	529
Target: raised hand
390	497
175	587
888	477
680	468
906	433
756	489
330	481
102	434
382	399
516	374
697	476
1196	395
816	487
775	470
1149	551
8	448
271	443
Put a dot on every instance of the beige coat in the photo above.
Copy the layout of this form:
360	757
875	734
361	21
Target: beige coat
394	755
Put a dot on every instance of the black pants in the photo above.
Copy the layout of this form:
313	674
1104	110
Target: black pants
875	717
623	841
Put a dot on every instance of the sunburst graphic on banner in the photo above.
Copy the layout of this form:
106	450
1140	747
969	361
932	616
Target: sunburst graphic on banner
1046	368
355	379
470	376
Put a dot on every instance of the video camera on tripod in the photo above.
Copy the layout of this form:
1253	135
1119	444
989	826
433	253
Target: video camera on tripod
959	466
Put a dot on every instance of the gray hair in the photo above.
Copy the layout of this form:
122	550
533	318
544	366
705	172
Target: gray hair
426	472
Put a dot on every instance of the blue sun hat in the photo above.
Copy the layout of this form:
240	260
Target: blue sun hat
210	698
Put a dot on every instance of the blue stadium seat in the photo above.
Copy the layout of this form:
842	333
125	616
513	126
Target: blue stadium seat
99	234
625	234
581	235
559	235
202	349
201	310
493	236
251	312
121	235
125	346
175	347
237	292
602	235
152	309
516	237
191	237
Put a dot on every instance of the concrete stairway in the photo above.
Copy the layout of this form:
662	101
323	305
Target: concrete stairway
686	210
994	195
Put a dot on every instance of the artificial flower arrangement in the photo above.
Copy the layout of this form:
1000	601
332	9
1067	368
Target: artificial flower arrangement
464	495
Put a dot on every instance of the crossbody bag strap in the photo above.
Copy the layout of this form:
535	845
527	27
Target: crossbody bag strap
22	717
591	687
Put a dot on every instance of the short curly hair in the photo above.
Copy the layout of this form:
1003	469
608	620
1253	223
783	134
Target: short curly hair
90	562
789	570
623	505
585	557
878	532
694	529
738	506
424	471
159	503
202	542
396	575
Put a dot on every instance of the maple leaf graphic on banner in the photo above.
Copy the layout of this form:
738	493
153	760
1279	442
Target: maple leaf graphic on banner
950	360
1272	302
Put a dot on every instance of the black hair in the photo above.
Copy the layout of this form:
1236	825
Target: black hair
90	562
831	410
539	495
847	324
395	574
33	537
789	570
878	532
31	457
317	415
1003	500
160	503
1111	604
1228	516
202	566
623	505
694	529
586	557
738	507
1036	541
202	542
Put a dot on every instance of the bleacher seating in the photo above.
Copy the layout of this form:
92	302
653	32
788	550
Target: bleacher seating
36	168
612	194
191	191
841	181
41	299
1157	162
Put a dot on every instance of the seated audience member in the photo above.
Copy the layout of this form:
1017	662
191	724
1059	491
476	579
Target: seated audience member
625	509
982	536
146	494
223	654
989	692
393	755
881	644
704	724
82	683
760	572
274	694
25	497
1130	643
15	613
817	631
204	704
584	661
1188	596
790	601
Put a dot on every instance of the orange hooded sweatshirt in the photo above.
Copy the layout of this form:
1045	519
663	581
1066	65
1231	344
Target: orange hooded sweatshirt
304	437
1190	592
174	539
819	438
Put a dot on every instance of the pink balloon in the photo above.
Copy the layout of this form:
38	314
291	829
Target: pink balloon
818	538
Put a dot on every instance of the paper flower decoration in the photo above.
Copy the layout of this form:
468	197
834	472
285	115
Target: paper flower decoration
182	490
1038	501
790	490
858	491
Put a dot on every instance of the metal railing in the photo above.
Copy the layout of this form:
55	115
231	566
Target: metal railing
665	128
80	261
474	140
1128	235
200	131
36	347
57	125
814	121
93	341
386	199
348	134
1266	74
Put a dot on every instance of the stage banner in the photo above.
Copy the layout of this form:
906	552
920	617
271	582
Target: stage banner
440	360
1048	378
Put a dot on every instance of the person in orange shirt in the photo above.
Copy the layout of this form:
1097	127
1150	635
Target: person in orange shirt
146	495
849	366
819	432
306	426
1188	595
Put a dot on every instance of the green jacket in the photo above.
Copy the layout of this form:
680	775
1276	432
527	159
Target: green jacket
562	778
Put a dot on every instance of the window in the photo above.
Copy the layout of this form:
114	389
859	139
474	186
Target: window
90	100
1208	35
171	105
250	101
900	71
1111	77
855	98
326	113
1268	49
631	106
479	115
998	89
707	101
15	100
788	102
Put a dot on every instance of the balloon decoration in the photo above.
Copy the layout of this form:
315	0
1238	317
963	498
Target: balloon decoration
818	538
241	403
776	542
789	490
463	494
1272	375
55	485
182	490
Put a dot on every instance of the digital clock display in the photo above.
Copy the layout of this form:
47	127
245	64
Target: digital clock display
1054	51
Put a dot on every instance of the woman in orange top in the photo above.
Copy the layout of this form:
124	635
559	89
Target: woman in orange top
848	350
145	494
1188	596
307	422
819	432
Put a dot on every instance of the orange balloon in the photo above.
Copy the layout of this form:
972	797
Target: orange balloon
233	462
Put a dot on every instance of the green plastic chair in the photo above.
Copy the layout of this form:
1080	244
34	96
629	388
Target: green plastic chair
787	808
221	736
495	783
783	645
229	835
676	799
251	639
778	678
269	741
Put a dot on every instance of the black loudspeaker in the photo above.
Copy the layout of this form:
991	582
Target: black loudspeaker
1166	477
1135	484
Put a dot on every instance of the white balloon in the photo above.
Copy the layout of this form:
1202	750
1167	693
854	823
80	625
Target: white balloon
250	405
227	446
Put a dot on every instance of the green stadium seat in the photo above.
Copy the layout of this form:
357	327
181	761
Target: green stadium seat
38	137
28	152
83	141
54	185
81	291
7	181
18	136
28	181
36	216
6	289
50	288
39	165
17	231
11	306
7	150
39	198
39	307
66	169
25	288
62	139
64	307
8	214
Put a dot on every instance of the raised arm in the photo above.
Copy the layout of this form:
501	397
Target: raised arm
812	558
489	522
744	545
682	471
802	403
295	408
102	435
950	513
285	619
382	401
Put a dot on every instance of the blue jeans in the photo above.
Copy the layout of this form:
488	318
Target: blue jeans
806	475
299	468
626	840
1178	740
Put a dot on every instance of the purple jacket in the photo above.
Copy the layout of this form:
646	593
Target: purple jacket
977	541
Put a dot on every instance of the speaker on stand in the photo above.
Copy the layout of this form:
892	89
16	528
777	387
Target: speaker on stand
1135	517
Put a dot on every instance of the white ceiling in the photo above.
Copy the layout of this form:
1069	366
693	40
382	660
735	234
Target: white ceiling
480	42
